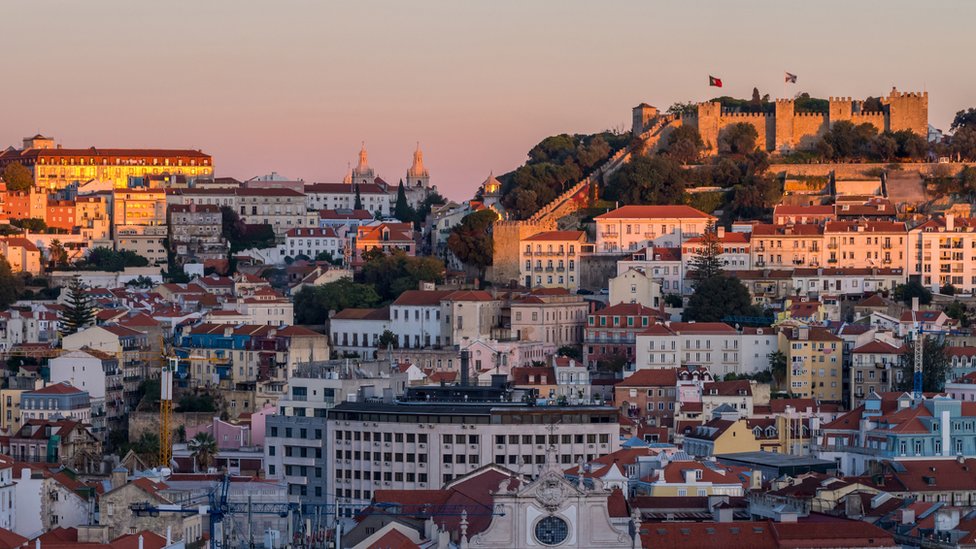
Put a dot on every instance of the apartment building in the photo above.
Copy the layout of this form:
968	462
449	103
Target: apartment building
636	285
296	447
735	249
375	198
130	347
632	228
611	333
385	237
943	251
56	401
312	241
552	259
875	368
649	395
281	208
424	445
814	362
195	232
866	244
139	223
358	331
787	246
714	346
551	316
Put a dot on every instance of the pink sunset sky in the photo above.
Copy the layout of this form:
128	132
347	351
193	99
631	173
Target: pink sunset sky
294	86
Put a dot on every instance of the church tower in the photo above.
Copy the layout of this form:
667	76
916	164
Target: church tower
363	173
417	175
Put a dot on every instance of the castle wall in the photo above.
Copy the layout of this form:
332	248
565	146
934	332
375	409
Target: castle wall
765	126
506	236
876	119
808	128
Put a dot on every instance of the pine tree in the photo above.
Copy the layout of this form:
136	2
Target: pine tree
402	209
358	205
78	312
707	262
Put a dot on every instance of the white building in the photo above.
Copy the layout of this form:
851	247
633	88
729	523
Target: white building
635	285
715	346
415	318
312	241
630	228
735	250
663	264
45	501
358	331
335	196
552	259
943	251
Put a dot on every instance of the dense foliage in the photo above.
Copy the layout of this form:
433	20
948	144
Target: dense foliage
554	164
78	312
718	297
313	303
397	272
107	259
471	240
935	358
17	177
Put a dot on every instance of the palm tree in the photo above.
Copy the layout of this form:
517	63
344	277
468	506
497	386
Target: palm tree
57	254
203	447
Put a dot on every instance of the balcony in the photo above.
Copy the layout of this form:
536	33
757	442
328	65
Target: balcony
831	245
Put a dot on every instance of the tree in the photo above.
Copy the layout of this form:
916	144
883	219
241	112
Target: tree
777	367
963	142
231	226
648	180
402	210
706	263
967	182
17	177
11	285
964	118
313	303
386	339
914	288
948	289
718	297
685	144
935	365
911	145
471	240
739	138
571	351
397	272
58	256
845	141
358	204
32	224
674	301
203	448
423	210
78	312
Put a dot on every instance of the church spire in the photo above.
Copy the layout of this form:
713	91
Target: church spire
363	158
417	175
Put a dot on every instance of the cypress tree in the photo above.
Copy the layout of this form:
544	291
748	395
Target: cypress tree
707	263
358	205
402	209
78	313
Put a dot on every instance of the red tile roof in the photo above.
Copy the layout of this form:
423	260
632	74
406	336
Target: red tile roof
651	378
63	388
655	212
394	539
557	236
422	297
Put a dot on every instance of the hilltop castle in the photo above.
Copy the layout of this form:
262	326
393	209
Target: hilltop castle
788	130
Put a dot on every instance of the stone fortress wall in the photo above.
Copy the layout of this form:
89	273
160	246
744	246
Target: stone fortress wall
786	130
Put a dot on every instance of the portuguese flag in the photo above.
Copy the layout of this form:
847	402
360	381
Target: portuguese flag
712	81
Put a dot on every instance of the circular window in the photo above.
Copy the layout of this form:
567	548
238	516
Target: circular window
551	531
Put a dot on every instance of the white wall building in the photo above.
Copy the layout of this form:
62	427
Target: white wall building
630	228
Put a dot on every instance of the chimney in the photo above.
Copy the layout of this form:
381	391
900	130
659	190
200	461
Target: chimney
950	222
142	542
120	475
720	232
464	366
755	480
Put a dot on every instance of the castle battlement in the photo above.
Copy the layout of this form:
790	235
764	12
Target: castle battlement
734	114
785	129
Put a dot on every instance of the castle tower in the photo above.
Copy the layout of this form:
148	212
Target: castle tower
363	173
417	175
643	114
709	122
840	108
785	110
908	111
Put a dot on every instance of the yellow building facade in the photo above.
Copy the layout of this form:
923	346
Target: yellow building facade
814	365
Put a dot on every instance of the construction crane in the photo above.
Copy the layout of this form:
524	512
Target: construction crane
918	337
166	412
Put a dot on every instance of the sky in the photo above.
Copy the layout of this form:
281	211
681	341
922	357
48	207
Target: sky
295	86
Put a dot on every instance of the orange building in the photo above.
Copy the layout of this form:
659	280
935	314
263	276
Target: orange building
386	237
60	214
